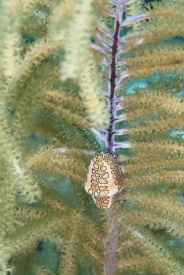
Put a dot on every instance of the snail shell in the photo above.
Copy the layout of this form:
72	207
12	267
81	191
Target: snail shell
104	180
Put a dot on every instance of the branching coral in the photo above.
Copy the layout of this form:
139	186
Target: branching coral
70	75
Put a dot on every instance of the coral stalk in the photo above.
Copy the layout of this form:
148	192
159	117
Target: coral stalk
111	239
112	87
114	82
110	244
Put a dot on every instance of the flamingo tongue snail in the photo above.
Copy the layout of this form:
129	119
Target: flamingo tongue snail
104	180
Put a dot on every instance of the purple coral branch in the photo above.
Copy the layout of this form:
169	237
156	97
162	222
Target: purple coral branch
120	63
103	28
115	80
136	38
122	79
105	62
115	104
135	19
118	107
140	17
112	82
114	2
99	49
103	41
109	13
127	2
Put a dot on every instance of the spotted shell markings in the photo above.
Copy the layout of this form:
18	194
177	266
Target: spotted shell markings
104	180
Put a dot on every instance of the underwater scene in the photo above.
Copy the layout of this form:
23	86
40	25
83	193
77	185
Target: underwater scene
92	137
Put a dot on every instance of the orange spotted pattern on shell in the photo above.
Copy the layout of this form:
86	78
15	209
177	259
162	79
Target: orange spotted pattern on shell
104	179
